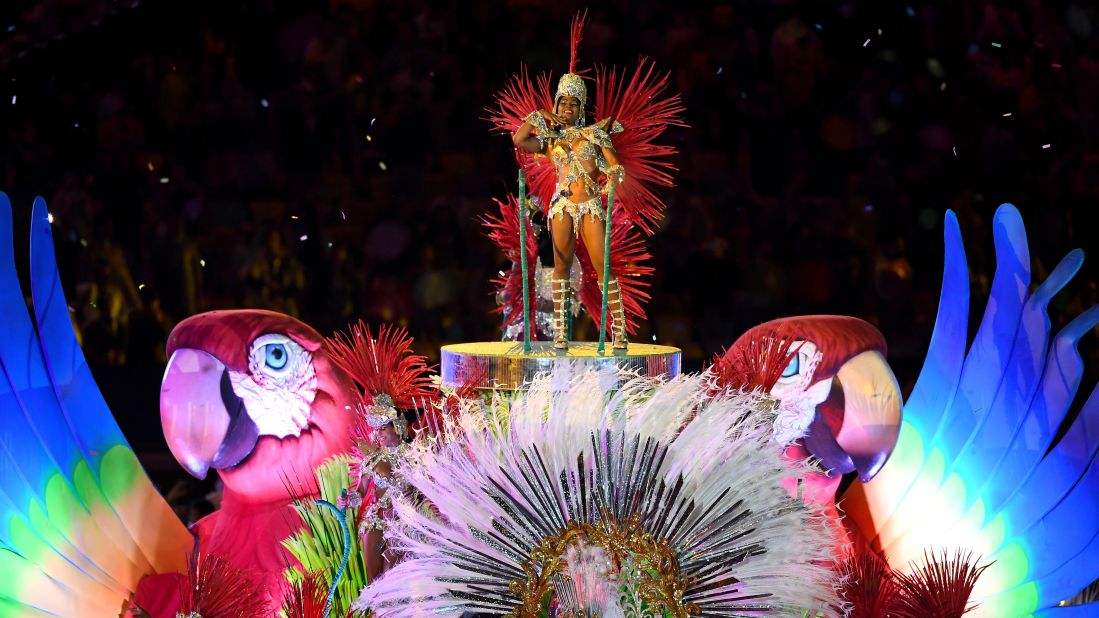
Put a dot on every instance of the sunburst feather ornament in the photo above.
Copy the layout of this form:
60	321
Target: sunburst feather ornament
676	491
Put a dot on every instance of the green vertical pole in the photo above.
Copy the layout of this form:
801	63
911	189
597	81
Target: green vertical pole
606	272
523	260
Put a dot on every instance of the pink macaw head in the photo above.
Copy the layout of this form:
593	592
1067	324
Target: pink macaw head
254	395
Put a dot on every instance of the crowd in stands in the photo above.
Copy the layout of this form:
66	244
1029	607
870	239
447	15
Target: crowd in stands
331	161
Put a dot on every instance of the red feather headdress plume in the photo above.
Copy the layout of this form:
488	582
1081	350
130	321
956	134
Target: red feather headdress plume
628	264
504	231
385	365
576	34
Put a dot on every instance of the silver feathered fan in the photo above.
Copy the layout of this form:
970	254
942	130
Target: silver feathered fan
574	497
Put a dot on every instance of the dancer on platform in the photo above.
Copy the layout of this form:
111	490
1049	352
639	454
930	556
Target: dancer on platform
574	167
580	153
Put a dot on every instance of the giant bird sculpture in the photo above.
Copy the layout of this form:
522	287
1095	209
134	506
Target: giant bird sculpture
979	459
253	395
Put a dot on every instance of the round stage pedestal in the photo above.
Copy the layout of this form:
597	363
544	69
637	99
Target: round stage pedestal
502	365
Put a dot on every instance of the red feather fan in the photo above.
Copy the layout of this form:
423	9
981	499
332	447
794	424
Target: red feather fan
504	231
636	103
519	98
214	588
383	365
628	253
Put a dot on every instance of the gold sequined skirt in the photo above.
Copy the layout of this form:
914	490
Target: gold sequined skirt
563	205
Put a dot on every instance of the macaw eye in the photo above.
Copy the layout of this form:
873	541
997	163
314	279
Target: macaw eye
793	368
275	355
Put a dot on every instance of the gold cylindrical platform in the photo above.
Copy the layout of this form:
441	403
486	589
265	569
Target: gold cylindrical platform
502	365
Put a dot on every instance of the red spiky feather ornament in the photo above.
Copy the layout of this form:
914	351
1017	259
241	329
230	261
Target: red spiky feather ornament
504	231
867	583
214	588
940	588
386	365
307	599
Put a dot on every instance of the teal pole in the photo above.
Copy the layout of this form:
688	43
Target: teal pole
523	261
606	272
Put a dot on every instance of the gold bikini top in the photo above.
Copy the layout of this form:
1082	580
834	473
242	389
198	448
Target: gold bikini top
568	160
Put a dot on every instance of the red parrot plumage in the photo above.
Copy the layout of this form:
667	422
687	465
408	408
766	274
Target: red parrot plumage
256	396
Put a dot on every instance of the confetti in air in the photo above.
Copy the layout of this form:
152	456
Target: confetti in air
866	42
382	165
1045	146
264	103
304	237
163	180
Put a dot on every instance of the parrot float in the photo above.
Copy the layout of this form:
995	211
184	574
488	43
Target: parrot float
255	395
980	460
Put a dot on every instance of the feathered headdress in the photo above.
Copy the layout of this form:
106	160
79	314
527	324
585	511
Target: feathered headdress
390	375
599	498
571	84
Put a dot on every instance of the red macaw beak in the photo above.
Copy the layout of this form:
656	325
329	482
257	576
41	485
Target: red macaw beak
868	399
205	424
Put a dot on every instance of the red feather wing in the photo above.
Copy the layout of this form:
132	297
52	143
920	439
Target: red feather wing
645	112
628	264
503	230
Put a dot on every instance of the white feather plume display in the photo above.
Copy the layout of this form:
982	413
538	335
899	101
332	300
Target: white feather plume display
697	472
